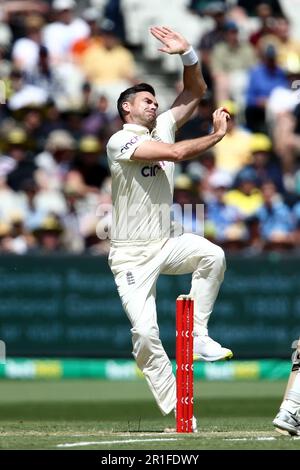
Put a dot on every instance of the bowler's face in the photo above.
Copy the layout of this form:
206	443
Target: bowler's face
143	109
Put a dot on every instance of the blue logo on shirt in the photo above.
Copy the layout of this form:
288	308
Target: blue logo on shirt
129	143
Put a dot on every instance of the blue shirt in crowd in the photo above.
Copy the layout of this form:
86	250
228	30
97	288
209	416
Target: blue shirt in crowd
275	218
262	81
221	216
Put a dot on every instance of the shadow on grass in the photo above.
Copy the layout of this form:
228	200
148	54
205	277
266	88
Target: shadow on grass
126	411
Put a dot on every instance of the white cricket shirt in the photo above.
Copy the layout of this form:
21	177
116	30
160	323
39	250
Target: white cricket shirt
142	191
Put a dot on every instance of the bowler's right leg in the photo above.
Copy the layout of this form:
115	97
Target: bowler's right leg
191	253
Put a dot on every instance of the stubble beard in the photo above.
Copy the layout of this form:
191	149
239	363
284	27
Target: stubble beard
146	120
151	122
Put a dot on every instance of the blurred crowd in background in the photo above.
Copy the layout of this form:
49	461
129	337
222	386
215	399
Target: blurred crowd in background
64	63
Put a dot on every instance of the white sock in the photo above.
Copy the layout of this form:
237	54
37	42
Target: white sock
292	401
202	331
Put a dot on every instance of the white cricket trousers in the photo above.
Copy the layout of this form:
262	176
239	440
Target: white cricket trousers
136	268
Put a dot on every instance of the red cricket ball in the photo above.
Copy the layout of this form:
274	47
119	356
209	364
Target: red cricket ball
226	111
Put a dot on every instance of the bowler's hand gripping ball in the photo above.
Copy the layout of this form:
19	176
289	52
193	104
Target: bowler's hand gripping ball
228	114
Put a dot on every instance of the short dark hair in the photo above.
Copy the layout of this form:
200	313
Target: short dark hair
127	94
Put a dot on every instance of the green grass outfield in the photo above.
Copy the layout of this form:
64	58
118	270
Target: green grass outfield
113	415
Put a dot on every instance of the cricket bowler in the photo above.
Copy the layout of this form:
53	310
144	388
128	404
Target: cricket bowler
142	157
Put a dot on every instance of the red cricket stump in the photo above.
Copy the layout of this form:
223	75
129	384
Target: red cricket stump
184	363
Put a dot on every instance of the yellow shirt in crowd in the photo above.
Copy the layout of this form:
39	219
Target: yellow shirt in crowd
246	204
233	151
103	66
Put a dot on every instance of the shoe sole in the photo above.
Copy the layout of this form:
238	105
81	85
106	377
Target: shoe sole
283	426
282	431
227	357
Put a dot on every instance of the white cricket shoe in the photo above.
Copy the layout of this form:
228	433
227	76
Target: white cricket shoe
286	421
206	349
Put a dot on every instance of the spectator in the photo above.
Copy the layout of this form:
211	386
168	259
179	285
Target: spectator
17	145
71	221
288	48
217	11
287	144
32	212
283	117
210	39
250	5
20	241
9	201
275	219
92	16
100	120
25	51
23	94
224	222
206	168
46	78
56	161
31	118
5	45
264	12
52	120
233	152
89	170
109	66
73	119
11	8
262	80
246	197
67	27
264	163
113	11
230	62
5	36
49	236
186	210
283	99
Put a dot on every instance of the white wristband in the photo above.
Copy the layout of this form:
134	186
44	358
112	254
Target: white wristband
189	57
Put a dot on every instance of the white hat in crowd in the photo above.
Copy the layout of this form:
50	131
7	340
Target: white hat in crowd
60	5
91	14
220	179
